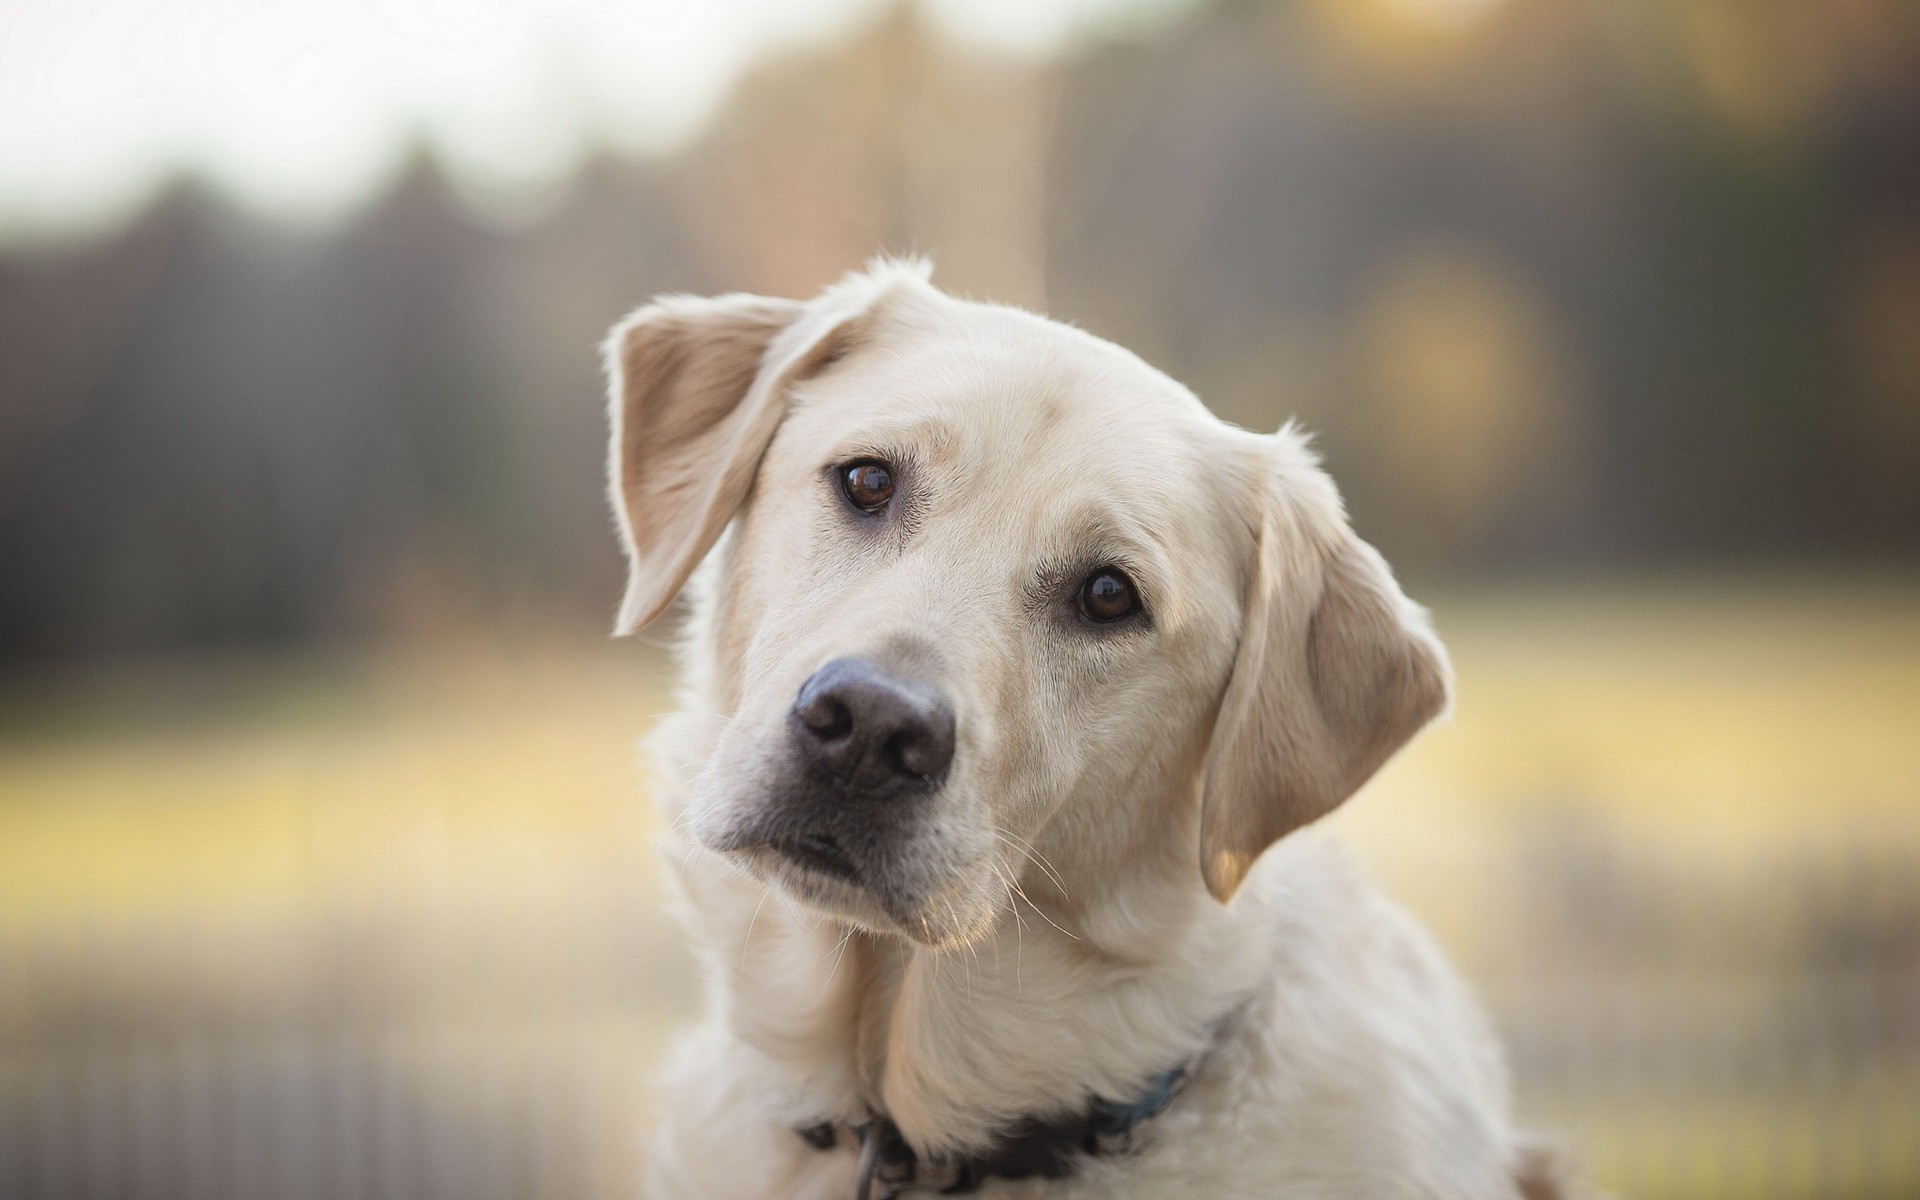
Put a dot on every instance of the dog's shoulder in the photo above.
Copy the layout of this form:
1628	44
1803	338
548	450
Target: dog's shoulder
1361	1059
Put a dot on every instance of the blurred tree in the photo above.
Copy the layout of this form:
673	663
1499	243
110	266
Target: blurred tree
1558	285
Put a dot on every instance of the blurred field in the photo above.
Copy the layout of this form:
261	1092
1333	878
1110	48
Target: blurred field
291	927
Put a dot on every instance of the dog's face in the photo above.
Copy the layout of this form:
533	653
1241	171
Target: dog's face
991	580
980	579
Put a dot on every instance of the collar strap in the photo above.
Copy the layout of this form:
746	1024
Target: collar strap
1032	1146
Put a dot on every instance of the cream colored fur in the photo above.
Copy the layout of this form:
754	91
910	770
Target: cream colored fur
1085	924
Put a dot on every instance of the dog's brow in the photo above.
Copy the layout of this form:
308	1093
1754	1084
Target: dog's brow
899	435
1099	536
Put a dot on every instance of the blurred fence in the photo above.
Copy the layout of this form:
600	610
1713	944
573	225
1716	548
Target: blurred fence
1750	1032
1714	1032
377	1058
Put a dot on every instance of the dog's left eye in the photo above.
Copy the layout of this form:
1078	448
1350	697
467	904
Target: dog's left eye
1108	596
867	484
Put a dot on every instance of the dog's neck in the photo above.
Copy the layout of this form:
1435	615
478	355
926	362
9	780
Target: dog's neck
1063	998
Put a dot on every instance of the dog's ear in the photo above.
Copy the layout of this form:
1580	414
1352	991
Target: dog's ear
1336	670
697	388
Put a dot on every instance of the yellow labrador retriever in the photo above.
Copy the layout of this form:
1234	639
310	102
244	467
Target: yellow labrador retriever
1007	664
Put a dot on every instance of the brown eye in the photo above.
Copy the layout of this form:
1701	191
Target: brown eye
868	484
1107	596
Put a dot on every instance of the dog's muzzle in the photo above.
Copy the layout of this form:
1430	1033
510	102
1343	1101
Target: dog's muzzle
868	751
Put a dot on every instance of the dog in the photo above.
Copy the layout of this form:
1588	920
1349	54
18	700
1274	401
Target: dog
1013	679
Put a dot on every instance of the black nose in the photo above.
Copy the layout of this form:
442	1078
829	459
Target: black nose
872	729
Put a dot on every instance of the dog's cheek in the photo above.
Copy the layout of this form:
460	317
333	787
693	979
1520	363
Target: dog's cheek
965	889
730	791
708	820
1021	752
955	850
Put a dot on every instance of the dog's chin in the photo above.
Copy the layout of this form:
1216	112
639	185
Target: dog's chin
833	889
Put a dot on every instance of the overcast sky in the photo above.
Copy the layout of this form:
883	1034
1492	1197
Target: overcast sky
299	108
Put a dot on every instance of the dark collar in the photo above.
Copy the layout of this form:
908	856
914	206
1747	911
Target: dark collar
1032	1146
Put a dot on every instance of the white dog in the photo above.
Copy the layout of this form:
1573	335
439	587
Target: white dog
1007	662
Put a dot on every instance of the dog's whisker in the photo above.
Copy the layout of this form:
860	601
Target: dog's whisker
1019	923
690	848
807	919
751	921
1032	855
840	954
1042	913
967	943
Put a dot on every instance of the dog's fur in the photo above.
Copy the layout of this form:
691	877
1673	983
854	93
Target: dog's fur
1074	910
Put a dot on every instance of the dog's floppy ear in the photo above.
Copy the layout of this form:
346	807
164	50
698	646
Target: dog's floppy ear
1336	670
698	387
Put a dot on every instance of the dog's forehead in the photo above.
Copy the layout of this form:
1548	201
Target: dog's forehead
983	388
1031	442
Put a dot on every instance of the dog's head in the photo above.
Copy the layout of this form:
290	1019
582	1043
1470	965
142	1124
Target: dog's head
991	580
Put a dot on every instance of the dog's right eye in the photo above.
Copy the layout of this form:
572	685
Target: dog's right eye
867	484
1107	596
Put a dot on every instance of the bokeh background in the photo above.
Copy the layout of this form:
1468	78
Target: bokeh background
325	859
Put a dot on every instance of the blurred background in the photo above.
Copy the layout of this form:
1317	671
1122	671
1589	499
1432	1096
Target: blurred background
325	851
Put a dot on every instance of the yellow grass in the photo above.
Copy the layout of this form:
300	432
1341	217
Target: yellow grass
472	767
